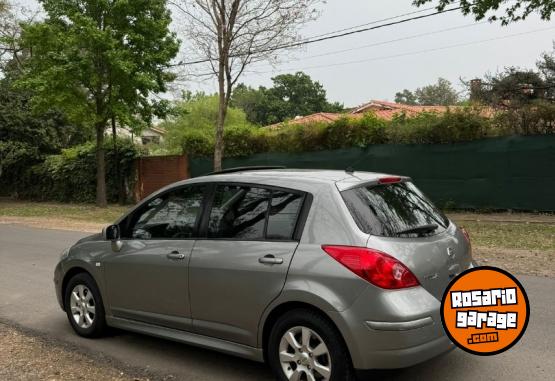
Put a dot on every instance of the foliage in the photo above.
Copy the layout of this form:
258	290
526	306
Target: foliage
535	118
26	138
291	95
71	175
97	60
406	97
442	93
515	11
546	67
191	127
511	88
517	89
430	128
459	124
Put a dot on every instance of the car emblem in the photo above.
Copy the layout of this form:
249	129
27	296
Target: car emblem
451	252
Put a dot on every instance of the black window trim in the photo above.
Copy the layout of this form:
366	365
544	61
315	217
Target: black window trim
302	214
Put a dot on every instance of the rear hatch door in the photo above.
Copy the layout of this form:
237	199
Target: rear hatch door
405	224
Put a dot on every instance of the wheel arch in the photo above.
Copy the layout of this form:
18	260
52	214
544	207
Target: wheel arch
70	274
281	309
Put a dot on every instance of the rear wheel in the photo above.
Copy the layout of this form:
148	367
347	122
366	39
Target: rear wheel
304	346
84	307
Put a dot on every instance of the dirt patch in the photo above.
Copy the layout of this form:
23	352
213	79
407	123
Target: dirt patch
24	357
517	261
54	223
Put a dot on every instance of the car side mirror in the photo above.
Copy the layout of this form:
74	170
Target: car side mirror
111	233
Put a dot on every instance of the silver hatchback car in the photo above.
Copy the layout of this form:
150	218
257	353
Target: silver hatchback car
319	273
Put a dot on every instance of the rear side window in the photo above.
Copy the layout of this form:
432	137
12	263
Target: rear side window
283	215
253	213
393	210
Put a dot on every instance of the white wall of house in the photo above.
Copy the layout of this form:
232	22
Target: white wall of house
147	136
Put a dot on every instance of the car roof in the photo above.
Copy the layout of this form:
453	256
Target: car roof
342	179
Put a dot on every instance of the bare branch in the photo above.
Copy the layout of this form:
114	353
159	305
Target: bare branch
228	35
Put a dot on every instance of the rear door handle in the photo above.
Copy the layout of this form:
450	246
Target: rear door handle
270	260
174	255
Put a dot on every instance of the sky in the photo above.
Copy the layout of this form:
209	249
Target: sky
388	67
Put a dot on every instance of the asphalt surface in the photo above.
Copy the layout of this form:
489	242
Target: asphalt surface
27	299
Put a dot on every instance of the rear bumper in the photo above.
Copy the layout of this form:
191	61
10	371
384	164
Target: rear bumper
406	357
393	329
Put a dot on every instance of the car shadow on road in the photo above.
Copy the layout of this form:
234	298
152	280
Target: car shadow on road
204	364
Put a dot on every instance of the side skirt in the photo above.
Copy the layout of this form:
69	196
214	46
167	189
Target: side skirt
228	347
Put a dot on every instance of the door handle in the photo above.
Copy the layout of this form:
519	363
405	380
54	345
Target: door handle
176	256
270	260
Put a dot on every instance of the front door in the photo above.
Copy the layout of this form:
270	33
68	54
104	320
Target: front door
147	280
241	264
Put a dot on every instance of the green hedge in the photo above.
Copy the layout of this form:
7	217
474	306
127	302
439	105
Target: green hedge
71	175
454	126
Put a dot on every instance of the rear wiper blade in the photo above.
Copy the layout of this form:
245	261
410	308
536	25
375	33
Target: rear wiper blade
422	229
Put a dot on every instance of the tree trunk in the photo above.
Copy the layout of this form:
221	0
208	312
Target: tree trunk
222	111
100	167
119	175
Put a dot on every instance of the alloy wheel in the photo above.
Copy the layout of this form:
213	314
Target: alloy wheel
82	306
304	356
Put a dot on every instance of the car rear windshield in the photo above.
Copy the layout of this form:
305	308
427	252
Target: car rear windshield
394	210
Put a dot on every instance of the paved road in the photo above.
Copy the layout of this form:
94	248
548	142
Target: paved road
27	258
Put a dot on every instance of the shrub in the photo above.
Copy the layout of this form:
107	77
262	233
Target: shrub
459	125
71	175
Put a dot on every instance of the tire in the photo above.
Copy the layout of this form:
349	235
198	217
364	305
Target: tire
85	309
336	359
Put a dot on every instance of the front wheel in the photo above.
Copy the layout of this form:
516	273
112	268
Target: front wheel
304	346
84	308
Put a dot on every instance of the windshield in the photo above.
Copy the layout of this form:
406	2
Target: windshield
394	210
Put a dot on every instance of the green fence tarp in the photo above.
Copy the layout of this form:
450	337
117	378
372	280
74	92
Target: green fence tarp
516	172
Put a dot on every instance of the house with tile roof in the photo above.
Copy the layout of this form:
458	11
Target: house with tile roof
387	110
382	109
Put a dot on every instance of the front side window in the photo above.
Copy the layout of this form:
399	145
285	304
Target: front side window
253	213
172	215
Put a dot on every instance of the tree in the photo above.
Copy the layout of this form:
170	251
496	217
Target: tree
229	35
98	59
254	102
25	138
10	32
195	116
406	97
291	95
546	66
442	93
511	10
511	88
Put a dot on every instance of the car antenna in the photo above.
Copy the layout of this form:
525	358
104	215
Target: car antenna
350	170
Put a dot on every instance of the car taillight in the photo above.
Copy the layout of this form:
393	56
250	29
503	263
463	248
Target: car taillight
378	268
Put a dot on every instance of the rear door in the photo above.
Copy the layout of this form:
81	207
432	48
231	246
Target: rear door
148	278
241	264
405	224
